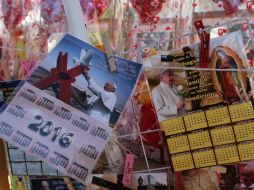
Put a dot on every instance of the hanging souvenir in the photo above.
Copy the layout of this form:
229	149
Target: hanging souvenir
14	12
94	8
148	9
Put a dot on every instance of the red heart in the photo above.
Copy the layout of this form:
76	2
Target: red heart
14	12
220	3
135	46
194	4
156	19
147	9
245	27
94	8
221	31
249	4
168	28
52	11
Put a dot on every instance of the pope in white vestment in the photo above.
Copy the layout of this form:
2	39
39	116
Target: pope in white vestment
166	101
104	104
101	105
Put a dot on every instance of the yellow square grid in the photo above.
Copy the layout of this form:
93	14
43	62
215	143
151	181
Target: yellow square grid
178	144
182	162
204	158
218	116
199	140
195	121
173	126
244	132
246	151
227	154
240	112
222	136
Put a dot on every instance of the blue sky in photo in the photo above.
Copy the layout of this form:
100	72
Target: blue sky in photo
125	76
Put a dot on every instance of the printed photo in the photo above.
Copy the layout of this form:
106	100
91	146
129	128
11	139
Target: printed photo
202	112
176	91
79	75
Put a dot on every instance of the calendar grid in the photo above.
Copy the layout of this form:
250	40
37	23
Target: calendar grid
234	135
216	143
210	136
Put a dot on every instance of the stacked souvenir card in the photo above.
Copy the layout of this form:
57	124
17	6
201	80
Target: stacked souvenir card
68	105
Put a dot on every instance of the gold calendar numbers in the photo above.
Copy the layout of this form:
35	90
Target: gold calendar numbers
182	162
178	144
244	132
204	158
173	126
246	151
227	154
222	135
195	121
240	112
218	116
199	140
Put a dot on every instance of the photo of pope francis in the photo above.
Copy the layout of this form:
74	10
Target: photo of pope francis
166	100
101	104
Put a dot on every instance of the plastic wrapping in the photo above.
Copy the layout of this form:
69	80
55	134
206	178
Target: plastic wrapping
138	31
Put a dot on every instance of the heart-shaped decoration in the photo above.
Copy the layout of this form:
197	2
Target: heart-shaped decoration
156	19
147	9
220	4
168	28
249	4
194	4
94	8
230	7
52	11
222	31
14	12
244	26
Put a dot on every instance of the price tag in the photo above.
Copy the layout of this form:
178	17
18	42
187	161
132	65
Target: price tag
128	169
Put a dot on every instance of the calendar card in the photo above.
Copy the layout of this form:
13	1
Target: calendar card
201	111
66	108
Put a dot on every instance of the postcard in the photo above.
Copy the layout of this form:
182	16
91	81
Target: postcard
68	105
104	94
203	113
